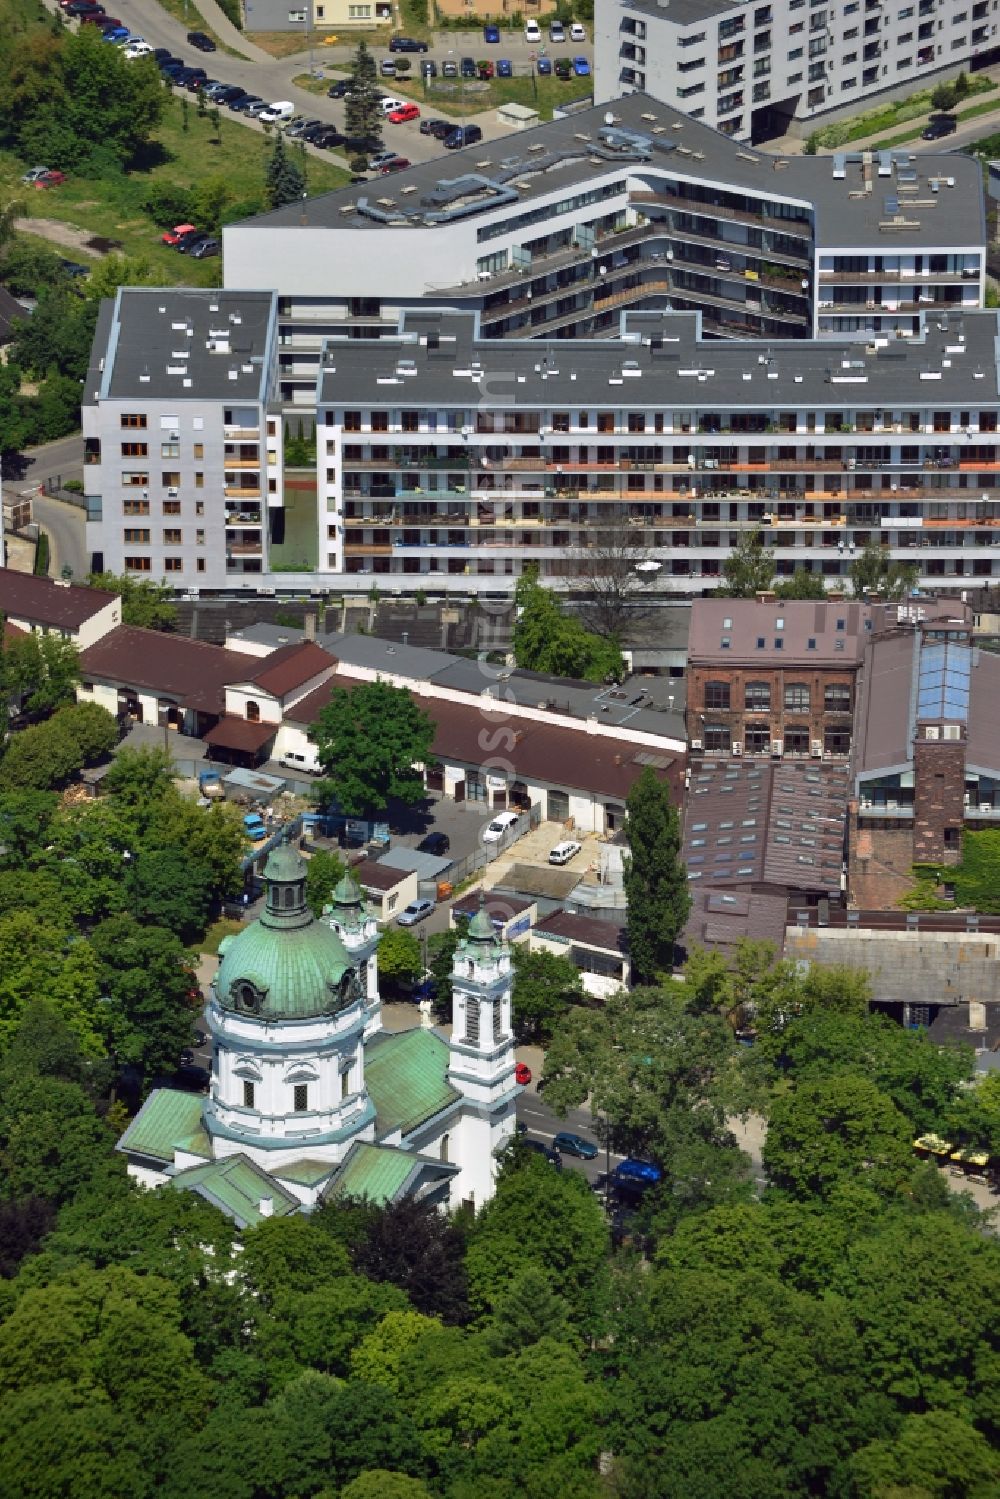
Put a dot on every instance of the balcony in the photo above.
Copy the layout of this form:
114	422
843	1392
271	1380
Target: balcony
237	492
248	434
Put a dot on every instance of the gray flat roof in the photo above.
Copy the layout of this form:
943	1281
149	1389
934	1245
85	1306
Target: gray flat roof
784	632
185	343
664	362
682	13
631	704
940	199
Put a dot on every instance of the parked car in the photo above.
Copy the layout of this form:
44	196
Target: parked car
193	81
281	113
416	911
939	127
162	53
522	1074
214	90
381	159
540	1148
429	68
569	1144
203	248
467	67
395	165
503	821
491	34
327	139
557	32
544	67
639	1173
581	67
505	68
300	124
116	34
43	177
387	68
405	113
484	70
449	69
185	241
340	89
532	32
230	92
253	826
389	103
577	33
247	102
177	233
564	851
563	68
201	41
406	44
254	109
437	844
74	268
430	127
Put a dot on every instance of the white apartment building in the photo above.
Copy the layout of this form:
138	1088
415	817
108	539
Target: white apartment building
551	234
754	71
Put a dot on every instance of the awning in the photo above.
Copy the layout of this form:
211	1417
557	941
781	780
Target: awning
238	734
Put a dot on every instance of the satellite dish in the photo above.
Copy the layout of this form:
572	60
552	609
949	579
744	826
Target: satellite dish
609	118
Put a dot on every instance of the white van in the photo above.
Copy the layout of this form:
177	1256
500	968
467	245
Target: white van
277	114
501	824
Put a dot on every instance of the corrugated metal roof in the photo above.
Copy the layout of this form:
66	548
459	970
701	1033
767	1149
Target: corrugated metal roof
237	1185
168	1118
407	1078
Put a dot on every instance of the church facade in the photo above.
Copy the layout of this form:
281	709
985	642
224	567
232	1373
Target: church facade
310	1098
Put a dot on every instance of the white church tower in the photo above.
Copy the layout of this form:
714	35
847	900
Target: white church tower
482	1061
358	930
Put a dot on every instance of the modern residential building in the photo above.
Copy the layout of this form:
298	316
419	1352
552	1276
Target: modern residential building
756	71
449	461
183	439
551	233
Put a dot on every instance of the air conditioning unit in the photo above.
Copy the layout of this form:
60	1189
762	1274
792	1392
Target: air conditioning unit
816	749
696	744
777	748
737	747
173	491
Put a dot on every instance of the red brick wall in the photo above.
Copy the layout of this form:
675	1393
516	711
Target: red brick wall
939	785
816	720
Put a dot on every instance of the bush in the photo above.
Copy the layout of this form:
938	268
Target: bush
49	754
42	556
358	165
73	486
231	10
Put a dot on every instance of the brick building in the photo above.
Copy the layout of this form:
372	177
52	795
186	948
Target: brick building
775	677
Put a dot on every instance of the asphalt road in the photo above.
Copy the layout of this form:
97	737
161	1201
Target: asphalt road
64	524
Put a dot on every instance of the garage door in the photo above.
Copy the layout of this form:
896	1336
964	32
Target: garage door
558	806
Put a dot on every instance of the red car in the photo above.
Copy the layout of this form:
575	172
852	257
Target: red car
408	112
177	233
485	70
522	1074
396	165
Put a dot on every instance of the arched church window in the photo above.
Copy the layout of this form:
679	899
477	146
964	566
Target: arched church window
247	997
300	1098
291	897
253	711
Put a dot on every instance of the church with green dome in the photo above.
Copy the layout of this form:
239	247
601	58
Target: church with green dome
310	1097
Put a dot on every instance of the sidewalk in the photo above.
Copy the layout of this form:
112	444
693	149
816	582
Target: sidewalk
224	29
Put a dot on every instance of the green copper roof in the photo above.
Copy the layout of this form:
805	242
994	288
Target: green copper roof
377	1172
347	891
284	862
236	1186
407	1078
481	928
169	1117
306	1172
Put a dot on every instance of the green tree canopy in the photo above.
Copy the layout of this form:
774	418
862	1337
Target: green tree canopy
144	604
145	974
546	984
801	585
364	116
49	754
873	571
368	741
324	872
748	569
40	670
829	1131
547	639
284	179
399	955
655	879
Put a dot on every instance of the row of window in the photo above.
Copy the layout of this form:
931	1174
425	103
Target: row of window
135	536
797	696
167	450
760	739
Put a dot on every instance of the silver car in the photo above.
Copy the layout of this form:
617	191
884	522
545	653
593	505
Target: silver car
415	911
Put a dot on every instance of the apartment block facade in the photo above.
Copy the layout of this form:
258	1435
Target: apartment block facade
551	234
182	438
752	71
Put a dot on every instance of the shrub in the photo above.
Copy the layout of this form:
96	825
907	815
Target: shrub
231	10
42	556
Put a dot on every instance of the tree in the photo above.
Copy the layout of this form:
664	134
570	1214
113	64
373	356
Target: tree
41	961
548	640
399	956
935	1455
144	604
413	1246
138	779
50	1138
24	822
655	879
146	977
39	670
827	1132
546	984
874	572
613	580
167	887
441	949
324	872
364	115
49	754
801	585
748	569
284	180
368	741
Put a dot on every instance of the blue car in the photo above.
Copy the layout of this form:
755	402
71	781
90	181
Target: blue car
581	67
116	34
637	1173
544	67
491	34
505	68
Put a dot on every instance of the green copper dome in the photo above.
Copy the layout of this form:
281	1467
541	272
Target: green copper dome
286	965
481	928
347	891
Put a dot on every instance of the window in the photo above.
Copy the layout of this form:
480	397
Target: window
199	480
134	536
300	1098
171	537
199	450
137	565
135	481
134	450
717	737
253	711
134	419
173	565
170	478
170	450
171	507
135	507
248	1095
472	1021
797	697
757	697
837	698
716	694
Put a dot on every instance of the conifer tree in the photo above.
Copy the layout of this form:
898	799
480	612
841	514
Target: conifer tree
655	879
284	180
364	117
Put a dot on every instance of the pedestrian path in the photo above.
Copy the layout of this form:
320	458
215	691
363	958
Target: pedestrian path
216	18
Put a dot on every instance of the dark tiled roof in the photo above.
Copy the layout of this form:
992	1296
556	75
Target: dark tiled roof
500	908
290	667
540	752
64	606
240	734
779	824
586	931
786	627
191	671
721	918
371	875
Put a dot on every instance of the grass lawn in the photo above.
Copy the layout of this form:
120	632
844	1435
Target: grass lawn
111	207
219	929
288	43
991	107
192	19
446	96
310	84
299	552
